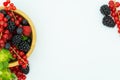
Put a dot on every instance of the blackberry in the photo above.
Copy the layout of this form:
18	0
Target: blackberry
108	21
4	12
29	40
11	26
8	17
24	22
26	70
16	40
24	46
105	10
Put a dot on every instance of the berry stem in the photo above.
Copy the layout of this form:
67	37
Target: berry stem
18	55
0	35
13	14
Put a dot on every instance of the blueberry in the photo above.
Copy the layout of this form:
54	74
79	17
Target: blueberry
19	30
7	45
24	22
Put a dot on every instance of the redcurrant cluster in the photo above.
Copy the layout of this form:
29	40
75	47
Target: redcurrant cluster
4	33
20	75
20	56
8	5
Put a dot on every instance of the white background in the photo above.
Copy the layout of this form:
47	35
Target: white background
72	43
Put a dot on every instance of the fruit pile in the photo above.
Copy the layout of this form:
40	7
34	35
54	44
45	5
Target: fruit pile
111	14
15	42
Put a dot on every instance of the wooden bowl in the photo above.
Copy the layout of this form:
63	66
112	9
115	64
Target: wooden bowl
15	63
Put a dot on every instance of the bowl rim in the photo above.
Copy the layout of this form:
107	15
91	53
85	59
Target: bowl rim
15	63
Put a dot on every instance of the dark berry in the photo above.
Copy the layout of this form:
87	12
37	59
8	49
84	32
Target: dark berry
26	70
11	26
29	40
19	30
7	45
4	12
24	46
105	10
24	22
8	17
16	40
108	21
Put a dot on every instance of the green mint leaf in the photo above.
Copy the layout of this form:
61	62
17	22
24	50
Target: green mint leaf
1	66
24	38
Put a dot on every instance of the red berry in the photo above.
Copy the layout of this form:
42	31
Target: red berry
26	61
1	18
27	30
10	36
15	56
11	51
5	36
10	14
111	2
20	19
24	66
2	15
2	23
24	77
20	62
1	41
21	53
17	16
116	19
13	8
5	19
17	22
113	9
8	1
113	14
7	31
7	8
24	57
20	26
1	29
12	19
5	25
117	4
11	4
118	22
2	45
118	31
5	3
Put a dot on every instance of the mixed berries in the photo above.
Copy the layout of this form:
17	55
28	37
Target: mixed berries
15	39
20	72
111	14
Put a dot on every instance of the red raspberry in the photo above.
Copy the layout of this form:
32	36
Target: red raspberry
27	30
